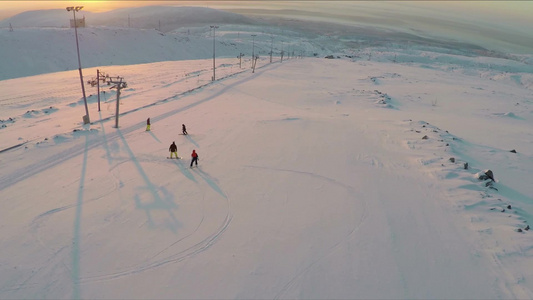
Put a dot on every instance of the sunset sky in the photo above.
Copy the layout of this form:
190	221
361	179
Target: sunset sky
509	10
10	8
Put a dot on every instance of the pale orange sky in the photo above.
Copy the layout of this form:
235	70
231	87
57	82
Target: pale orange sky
10	8
511	10
95	6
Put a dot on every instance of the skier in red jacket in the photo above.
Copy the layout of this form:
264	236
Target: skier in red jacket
194	156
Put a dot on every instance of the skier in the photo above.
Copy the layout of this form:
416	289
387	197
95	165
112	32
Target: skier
148	124
173	150
194	156
183	129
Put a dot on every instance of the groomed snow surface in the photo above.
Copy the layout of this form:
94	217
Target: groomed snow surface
318	179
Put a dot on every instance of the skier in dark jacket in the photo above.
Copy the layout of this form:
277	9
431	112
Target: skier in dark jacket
183	129
194	156
173	149
148	124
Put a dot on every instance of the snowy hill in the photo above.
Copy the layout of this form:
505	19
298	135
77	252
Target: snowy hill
147	17
42	18
185	34
41	41
358	176
169	18
100	46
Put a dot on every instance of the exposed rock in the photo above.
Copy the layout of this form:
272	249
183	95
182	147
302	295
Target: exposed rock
452	159
490	174
425	137
486	175
513	151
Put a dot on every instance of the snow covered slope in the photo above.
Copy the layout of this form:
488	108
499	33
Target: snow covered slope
318	178
359	176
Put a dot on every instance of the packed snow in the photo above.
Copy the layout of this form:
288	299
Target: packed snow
361	176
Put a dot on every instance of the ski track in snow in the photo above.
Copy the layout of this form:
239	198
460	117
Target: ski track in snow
333	247
152	262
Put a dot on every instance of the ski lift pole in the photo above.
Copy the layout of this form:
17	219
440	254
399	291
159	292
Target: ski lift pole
240	59
86	119
98	86
100	76
254	62
118	105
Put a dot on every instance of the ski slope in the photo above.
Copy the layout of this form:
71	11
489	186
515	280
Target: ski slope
314	182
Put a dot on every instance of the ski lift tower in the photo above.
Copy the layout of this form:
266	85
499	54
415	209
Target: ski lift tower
100	76
118	84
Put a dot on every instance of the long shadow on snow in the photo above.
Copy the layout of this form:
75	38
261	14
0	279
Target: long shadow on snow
106	146
184	170
75	250
210	181
155	137
157	203
75	275
192	141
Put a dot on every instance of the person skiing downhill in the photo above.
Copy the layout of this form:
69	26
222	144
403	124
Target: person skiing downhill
148	124
173	150
183	129
194	156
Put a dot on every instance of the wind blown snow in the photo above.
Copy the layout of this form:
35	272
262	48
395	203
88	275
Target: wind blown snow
361	176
